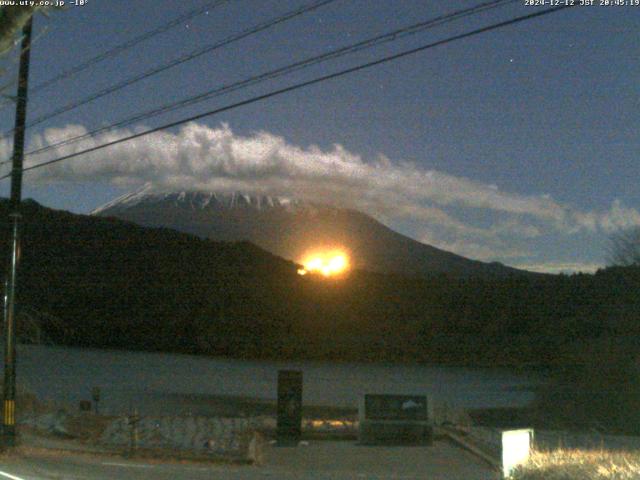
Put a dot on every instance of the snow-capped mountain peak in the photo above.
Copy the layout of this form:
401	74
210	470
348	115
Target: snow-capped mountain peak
290	228
196	200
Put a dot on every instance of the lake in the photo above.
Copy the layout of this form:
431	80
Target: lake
138	379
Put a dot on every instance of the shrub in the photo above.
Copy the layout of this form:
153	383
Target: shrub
580	465
603	394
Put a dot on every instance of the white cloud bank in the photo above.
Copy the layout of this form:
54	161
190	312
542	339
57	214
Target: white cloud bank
560	267
201	157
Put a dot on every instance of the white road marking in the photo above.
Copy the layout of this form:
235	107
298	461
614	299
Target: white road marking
129	465
8	475
144	465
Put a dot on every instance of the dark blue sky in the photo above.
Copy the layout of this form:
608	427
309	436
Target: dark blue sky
521	143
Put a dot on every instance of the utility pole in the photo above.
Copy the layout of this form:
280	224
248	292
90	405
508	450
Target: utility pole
9	391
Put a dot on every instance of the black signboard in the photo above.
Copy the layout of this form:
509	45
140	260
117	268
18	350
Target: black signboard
396	407
289	407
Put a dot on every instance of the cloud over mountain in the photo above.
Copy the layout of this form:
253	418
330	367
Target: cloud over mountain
205	158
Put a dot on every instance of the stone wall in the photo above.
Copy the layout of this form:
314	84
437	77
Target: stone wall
235	438
228	438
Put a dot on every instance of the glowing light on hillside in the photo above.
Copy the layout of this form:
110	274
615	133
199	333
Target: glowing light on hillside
329	264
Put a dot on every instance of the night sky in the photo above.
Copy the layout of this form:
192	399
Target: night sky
519	145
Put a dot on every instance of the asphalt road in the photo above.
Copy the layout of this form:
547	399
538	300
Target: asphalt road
317	461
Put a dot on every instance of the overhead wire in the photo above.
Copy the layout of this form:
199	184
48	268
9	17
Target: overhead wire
112	52
178	61
303	84
272	74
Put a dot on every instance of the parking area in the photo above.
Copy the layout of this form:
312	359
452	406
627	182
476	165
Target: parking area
346	460
317	460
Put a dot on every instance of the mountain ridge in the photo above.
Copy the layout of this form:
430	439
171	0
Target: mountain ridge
291	228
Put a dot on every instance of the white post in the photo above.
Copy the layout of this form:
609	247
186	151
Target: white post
516	447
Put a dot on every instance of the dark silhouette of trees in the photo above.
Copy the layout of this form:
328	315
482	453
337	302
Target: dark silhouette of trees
113	284
625	248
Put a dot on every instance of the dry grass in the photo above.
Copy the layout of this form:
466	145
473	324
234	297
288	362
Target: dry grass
580	465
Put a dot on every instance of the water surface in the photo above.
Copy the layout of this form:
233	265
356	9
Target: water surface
126	379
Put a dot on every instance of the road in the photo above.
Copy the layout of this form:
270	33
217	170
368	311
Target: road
321	460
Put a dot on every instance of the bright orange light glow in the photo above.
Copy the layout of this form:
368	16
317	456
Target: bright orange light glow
329	264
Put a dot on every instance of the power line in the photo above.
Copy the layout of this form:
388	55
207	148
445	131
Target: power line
333	54
127	45
180	60
391	36
307	83
117	49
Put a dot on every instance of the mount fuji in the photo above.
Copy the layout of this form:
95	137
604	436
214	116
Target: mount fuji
291	228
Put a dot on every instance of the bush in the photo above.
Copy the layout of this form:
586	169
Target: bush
579	465
602	394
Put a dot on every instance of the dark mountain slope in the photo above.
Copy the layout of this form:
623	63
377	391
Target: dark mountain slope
290	229
114	284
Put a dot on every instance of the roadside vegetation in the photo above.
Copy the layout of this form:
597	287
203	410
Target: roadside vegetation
602	395
602	391
580	465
